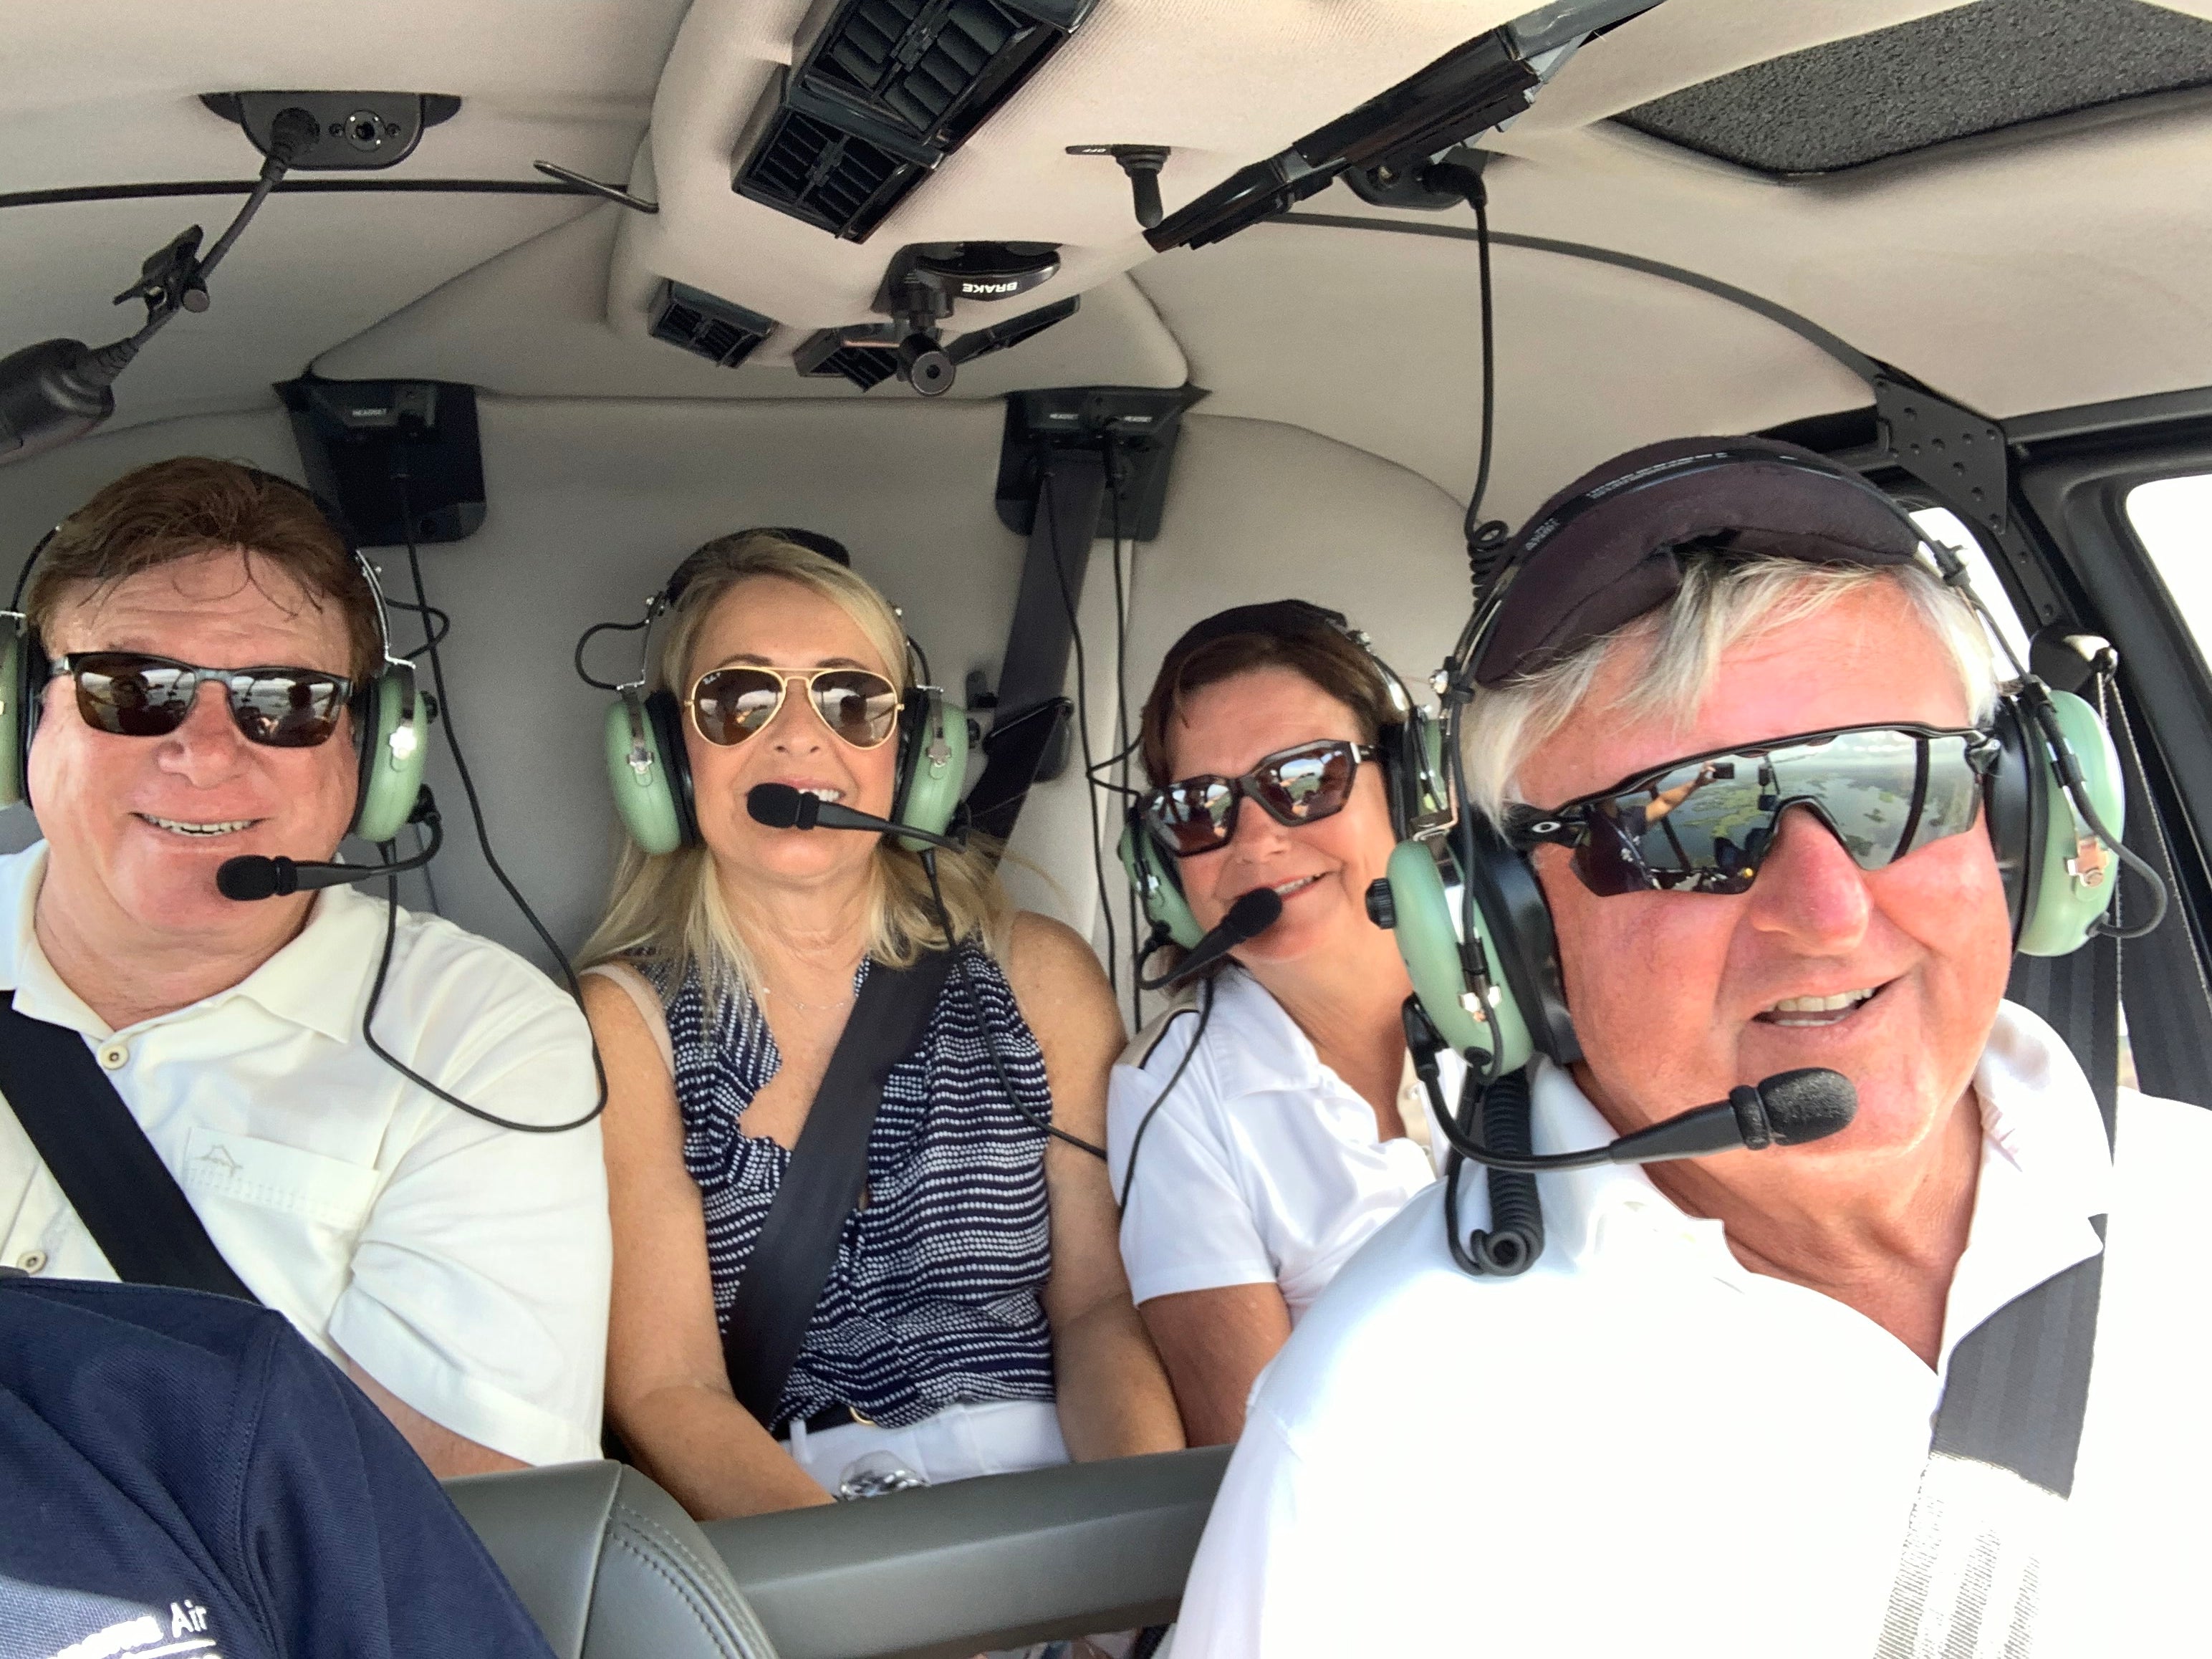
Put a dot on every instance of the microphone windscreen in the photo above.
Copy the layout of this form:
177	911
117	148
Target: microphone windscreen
244	879
1253	914
1807	1104
775	804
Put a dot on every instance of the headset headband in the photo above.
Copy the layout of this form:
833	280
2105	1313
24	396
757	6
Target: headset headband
1608	548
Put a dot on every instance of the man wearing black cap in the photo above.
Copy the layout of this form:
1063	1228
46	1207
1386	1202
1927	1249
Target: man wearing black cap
1750	745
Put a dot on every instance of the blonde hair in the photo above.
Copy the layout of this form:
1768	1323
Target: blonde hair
668	906
1723	601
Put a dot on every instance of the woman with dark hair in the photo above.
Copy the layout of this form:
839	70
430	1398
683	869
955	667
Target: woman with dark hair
1268	1123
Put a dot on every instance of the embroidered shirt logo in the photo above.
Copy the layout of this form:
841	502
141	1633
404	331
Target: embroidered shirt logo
145	1637
218	1157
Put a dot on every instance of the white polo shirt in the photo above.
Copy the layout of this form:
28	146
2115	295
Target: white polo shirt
462	1266
1263	1165
1640	1447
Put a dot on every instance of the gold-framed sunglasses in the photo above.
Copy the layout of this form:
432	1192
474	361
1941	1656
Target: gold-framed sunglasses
730	704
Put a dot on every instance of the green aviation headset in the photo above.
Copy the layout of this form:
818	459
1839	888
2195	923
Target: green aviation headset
1411	763
649	772
389	715
2054	793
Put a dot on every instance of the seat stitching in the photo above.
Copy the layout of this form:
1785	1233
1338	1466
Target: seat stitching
669	1540
690	1598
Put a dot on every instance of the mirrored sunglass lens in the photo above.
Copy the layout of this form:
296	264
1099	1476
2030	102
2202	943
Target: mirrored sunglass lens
286	711
134	700
1699	829
1194	816
860	708
1866	786
730	704
1308	784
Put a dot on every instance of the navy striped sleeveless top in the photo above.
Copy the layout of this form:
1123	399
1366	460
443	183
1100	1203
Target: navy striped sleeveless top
933	1300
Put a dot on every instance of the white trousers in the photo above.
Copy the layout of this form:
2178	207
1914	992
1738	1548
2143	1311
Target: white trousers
1003	1437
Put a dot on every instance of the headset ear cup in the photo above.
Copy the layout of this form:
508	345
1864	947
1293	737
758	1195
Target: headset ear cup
19	717
392	755
2071	876
932	764
1152	872
640	778
1425	924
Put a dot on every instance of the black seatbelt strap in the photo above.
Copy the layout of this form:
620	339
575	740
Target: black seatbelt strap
790	1260
2008	1431
1028	741
101	1158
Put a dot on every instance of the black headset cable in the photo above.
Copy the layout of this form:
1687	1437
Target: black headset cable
483	840
928	856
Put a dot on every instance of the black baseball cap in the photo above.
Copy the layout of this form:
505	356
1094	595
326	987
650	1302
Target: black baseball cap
1609	547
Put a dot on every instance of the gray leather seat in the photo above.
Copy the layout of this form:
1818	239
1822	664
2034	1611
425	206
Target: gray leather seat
609	1564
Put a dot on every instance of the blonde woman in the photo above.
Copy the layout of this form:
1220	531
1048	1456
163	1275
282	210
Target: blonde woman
976	1319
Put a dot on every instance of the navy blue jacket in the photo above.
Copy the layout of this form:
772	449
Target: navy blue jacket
181	1475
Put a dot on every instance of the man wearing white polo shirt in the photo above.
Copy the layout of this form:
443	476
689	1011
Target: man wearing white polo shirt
1782	1401
457	1270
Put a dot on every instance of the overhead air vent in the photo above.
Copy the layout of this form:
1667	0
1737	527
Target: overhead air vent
934	69
826	356
712	328
881	94
1969	70
832	176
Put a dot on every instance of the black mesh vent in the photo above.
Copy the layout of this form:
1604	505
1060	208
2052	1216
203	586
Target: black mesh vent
1977	68
815	171
864	366
886	90
713	328
916	63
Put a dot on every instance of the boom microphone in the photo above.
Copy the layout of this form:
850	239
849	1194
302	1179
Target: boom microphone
779	806
252	877
1253	915
1787	1109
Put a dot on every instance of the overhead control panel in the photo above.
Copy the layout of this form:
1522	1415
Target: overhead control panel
880	92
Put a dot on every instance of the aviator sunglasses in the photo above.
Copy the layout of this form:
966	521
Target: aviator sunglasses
729	705
1707	823
130	694
1303	785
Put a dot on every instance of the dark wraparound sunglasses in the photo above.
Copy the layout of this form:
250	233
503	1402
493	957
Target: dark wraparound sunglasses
1297	786
728	705
129	693
1704	824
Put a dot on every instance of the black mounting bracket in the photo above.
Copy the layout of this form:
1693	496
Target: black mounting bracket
1962	461
357	437
1142	163
354	131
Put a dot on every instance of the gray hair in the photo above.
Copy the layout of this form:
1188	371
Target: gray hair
1723	601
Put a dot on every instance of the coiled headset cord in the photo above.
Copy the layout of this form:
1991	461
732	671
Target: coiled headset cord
483	840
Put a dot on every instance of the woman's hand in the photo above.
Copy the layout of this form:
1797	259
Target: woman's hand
667	1391
1114	1397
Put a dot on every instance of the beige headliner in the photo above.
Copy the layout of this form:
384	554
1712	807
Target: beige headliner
2056	265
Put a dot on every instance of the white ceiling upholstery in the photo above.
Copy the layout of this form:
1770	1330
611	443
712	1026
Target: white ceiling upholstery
1222	85
534	322
2054	265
